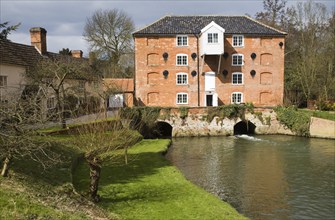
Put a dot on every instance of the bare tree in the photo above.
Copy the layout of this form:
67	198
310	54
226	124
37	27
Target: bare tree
17	133
109	34
100	141
59	73
274	12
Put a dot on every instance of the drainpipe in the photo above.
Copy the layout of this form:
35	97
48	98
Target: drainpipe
198	68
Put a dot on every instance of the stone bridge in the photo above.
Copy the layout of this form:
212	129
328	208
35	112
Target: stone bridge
200	121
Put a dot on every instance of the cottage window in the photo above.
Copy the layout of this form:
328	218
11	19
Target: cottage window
212	38
237	79
181	78
237	97
237	60
3	81
182	98
182	40
51	103
238	40
181	60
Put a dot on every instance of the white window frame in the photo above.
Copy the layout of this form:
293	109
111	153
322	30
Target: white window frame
233	97
3	81
237	74
214	38
181	42
238	63
183	58
182	98
238	40
182	79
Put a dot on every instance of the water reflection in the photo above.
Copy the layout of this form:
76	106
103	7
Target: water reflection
268	177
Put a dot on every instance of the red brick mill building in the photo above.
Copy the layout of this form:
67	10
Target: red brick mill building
208	61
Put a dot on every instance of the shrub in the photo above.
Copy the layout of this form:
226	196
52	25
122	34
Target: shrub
297	121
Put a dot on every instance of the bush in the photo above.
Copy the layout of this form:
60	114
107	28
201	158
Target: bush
297	121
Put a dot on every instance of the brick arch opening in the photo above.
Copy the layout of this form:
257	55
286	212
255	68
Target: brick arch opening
244	127
163	129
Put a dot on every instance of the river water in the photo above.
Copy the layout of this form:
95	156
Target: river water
264	177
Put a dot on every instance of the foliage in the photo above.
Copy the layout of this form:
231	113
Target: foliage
109	33
297	121
229	111
309	48
183	111
65	51
150	186
6	30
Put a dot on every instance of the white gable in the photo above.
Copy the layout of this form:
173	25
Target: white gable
212	46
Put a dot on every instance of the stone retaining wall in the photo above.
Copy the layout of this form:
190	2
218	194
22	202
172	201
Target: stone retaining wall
322	128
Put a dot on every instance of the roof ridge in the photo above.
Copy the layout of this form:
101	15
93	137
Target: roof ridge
268	26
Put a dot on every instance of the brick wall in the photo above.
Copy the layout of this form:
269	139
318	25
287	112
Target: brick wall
152	88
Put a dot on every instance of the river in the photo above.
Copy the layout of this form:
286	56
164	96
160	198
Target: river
264	177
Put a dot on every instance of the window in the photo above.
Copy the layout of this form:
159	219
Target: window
213	38
182	40
237	78
237	60
238	41
181	78
3	81
181	60
182	98
237	97
51	103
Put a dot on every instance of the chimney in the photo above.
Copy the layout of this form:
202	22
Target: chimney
38	38
77	53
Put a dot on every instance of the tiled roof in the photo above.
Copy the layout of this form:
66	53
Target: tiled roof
18	54
171	25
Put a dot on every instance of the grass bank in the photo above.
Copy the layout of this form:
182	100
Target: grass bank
319	114
149	187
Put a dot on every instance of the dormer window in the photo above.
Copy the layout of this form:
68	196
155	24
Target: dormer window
212	38
182	40
238	40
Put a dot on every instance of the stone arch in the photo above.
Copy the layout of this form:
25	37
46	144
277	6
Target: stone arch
164	129
244	127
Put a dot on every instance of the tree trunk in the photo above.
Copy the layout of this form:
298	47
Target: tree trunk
5	167
95	170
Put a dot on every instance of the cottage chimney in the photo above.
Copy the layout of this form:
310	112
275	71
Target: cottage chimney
38	38
77	53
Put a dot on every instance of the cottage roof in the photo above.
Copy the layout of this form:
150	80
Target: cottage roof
18	54
172	25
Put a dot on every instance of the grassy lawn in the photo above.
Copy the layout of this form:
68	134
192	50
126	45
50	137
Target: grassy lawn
32	192
319	114
149	187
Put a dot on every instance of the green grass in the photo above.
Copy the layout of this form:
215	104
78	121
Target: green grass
319	114
33	192
149	187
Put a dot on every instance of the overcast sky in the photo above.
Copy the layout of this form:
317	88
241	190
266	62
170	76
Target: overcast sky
64	20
